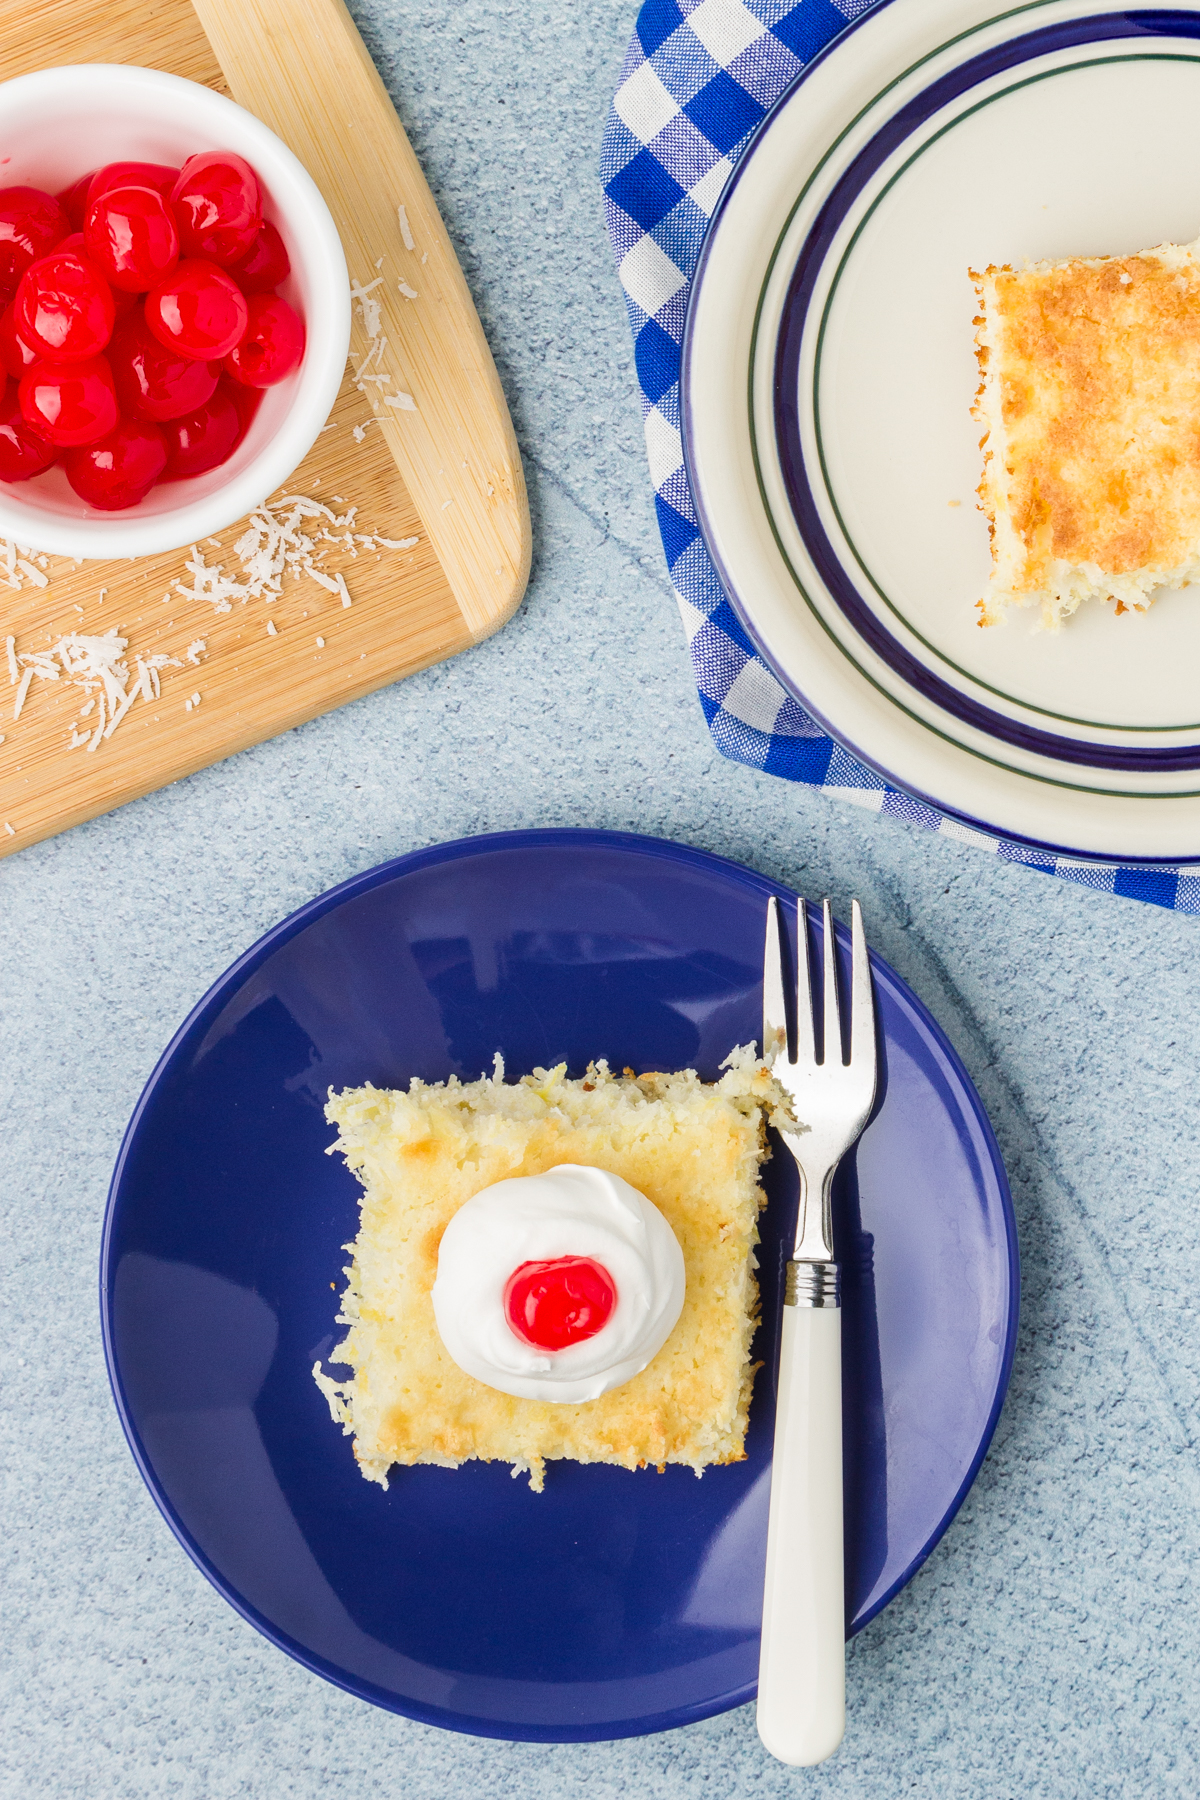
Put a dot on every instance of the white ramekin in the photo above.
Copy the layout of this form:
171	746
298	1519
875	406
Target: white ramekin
57	124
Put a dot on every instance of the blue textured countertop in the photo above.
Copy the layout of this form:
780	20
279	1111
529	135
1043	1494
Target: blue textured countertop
1048	1647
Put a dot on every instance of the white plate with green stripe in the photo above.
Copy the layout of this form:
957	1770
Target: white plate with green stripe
828	375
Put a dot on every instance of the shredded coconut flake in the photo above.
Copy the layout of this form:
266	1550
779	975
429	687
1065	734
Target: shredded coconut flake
96	665
370	309
19	564
405	229
277	544
370	372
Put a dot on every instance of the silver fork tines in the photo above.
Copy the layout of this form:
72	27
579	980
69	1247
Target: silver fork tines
832	1098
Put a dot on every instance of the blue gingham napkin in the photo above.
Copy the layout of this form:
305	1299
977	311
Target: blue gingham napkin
698	77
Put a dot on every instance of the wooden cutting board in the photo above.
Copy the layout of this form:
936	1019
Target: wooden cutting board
445	472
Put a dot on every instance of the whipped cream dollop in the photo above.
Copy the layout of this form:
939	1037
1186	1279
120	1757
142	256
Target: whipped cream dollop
569	1211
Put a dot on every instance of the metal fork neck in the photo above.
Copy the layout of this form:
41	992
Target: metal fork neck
813	1284
814	1219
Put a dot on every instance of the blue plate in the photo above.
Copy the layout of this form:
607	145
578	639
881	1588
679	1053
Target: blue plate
616	1602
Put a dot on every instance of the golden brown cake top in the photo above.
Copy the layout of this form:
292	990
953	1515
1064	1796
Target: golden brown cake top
1099	367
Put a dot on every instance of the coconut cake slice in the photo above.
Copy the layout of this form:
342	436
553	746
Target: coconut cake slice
1090	402
693	1149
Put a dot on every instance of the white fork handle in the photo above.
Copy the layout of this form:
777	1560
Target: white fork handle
802	1666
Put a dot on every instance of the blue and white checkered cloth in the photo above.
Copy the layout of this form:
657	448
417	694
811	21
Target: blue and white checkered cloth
698	77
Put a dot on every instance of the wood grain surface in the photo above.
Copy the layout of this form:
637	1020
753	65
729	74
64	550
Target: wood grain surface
463	500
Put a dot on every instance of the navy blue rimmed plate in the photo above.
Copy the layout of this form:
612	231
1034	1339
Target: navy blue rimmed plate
828	375
614	1603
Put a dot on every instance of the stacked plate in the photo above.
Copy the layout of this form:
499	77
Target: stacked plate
828	375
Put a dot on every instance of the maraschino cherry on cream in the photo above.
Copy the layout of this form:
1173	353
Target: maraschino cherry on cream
563	1301
559	1286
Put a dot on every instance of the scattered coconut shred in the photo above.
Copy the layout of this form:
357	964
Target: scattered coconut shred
275	545
97	665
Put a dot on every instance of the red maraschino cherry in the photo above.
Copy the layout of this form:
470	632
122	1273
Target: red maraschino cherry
69	403
15	353
74	199
159	176
24	452
218	205
272	346
119	469
197	311
202	440
246	401
264	265
131	236
152	382
31	223
64	307
564	1301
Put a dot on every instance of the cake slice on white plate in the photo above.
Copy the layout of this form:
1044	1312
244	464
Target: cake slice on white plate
1090	402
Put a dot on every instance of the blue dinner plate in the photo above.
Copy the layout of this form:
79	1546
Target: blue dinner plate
615	1602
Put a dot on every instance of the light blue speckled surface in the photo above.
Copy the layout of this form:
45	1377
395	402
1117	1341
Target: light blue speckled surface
1049	1647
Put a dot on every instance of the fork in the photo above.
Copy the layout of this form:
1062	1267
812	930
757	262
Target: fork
802	1664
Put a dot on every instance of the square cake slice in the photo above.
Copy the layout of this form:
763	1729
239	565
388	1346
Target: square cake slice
1090	403
693	1149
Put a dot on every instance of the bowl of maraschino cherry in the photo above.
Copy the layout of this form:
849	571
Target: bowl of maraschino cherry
148	308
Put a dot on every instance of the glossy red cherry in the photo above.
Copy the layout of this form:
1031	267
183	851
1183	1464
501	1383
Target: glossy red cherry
152	382
71	403
122	302
264	265
31	223
159	176
73	199
246	403
64	306
131	237
560	1302
15	353
218	205
120	468
203	440
197	311
24	452
273	344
